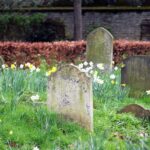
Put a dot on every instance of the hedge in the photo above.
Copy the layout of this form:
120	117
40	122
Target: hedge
65	51
124	49
22	52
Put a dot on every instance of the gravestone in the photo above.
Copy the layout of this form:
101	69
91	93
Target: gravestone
136	74
100	47
70	94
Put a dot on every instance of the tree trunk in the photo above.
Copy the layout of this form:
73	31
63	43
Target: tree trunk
77	20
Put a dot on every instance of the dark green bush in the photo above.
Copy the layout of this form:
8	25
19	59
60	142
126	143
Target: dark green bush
34	28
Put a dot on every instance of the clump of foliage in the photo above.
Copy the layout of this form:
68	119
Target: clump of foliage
125	48
65	51
33	28
21	52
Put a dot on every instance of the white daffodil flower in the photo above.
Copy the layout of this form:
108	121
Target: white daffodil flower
21	66
116	68
148	92
112	76
47	74
37	69
80	66
100	81
113	62
35	97
100	66
88	69
3	66
91	72
85	63
33	68
27	64
36	148
91	63
84	70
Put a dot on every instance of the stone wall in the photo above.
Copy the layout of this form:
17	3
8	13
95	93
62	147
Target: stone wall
5	4
122	24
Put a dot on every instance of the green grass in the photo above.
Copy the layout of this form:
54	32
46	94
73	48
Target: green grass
34	125
24	124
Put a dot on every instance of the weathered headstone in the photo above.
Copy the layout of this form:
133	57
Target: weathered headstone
136	74
70	94
100	47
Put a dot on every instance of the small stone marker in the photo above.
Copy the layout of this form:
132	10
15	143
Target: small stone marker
100	47
70	94
136	74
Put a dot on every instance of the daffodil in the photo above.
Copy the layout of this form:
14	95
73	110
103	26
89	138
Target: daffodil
48	73
91	72
116	68
54	69
10	132
27	64
32	68
148	92
85	63
100	81
112	76
21	66
83	70
113	82
100	66
3	66
91	63
80	66
122	65
36	148
35	97
86	70
37	69
95	73
13	66
123	84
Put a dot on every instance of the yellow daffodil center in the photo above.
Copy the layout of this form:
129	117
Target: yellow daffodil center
54	69
13	66
113	82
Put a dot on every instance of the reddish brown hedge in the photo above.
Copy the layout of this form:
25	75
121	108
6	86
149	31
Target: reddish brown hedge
22	52
124	48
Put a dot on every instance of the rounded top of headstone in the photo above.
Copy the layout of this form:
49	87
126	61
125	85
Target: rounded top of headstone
138	56
100	30
69	69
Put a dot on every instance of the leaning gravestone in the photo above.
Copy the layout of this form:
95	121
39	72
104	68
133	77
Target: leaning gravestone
70	94
136	74
100	47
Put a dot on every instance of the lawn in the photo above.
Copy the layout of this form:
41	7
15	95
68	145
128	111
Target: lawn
27	124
